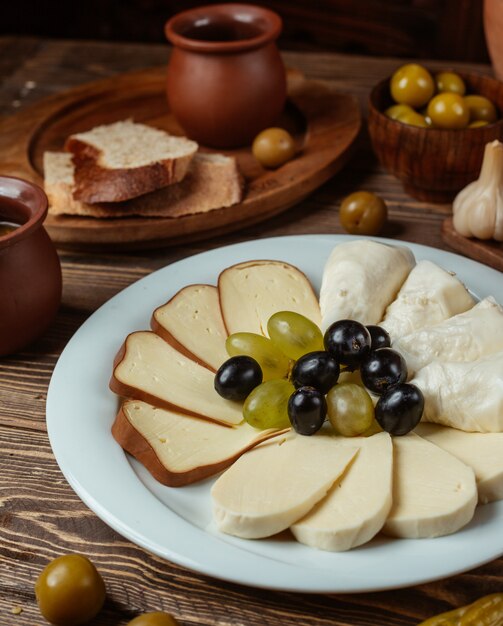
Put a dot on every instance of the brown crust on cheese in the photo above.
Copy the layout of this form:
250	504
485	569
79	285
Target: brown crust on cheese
94	184
129	392
133	442
251	264
171	339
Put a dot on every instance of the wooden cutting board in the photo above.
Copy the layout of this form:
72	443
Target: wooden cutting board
488	252
324	123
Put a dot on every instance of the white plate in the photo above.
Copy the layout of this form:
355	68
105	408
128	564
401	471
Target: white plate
176	523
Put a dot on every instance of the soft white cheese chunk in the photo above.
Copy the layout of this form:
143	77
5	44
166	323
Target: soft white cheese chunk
434	494
251	292
356	507
152	369
483	452
192	319
275	484
360	280
467	396
428	296
465	337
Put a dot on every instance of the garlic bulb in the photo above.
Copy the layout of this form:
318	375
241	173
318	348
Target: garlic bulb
478	208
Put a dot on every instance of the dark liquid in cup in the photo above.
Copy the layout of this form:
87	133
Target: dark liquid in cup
12	214
6	228
222	30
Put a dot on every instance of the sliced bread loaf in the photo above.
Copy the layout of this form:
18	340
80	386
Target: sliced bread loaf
120	161
212	182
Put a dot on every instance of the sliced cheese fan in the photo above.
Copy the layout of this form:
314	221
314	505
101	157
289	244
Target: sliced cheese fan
178	449
277	483
356	507
150	369
192	323
251	292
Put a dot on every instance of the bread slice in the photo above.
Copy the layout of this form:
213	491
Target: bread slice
212	182
120	161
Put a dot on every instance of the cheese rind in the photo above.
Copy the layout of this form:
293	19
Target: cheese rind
179	449
356	507
360	280
465	337
192	322
467	396
278	482
434	494
428	296
483	452
251	292
150	369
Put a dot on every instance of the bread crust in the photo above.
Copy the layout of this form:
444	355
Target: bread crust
204	188
135	444
95	184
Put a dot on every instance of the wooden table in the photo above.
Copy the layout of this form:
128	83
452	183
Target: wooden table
40	515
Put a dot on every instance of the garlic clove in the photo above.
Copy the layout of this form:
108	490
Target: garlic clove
478	208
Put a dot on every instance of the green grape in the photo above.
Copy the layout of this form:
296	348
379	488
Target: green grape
350	409
273	363
267	405
294	334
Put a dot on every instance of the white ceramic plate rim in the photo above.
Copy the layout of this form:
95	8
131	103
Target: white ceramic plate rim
80	411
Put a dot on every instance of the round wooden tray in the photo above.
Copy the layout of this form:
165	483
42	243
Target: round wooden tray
325	124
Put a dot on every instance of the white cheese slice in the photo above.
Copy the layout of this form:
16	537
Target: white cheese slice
465	337
275	484
483	452
148	368
434	494
357	505
192	322
360	280
467	396
179	449
428	296
250	293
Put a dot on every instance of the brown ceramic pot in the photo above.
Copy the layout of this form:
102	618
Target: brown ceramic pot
493	26
226	79
30	273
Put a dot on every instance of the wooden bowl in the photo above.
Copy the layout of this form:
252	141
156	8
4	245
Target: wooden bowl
433	164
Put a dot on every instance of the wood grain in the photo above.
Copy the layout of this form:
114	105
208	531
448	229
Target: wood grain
488	252
433	164
324	123
41	517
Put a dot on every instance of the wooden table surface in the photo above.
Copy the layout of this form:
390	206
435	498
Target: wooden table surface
41	517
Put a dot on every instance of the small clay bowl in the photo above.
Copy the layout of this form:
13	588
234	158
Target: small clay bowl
226	80
433	164
30	272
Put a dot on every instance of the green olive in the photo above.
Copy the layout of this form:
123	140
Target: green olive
449	110
412	84
70	591
153	619
273	147
478	124
481	109
413	118
363	213
450	82
396	110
